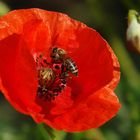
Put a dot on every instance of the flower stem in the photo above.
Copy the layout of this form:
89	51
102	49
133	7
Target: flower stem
46	132
127	66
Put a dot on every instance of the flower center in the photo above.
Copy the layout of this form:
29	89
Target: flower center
53	75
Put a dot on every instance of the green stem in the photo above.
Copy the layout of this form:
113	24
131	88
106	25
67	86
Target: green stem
46	132
127	66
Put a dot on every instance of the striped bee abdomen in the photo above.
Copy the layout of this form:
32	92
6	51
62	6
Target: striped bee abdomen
71	66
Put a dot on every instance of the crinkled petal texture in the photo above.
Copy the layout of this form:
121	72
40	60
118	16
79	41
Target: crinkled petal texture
89	100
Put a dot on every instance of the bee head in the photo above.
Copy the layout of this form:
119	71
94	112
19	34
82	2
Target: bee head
58	54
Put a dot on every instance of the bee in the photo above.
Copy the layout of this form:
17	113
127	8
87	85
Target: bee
59	55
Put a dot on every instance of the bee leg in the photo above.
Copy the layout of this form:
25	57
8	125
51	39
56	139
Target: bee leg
62	67
64	75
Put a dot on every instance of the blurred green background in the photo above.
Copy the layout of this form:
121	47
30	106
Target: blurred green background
110	19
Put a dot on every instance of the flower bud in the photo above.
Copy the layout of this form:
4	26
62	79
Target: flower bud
133	31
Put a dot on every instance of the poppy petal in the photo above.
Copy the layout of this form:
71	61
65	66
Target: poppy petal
19	88
90	113
97	64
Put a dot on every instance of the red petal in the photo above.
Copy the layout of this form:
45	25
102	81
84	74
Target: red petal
97	64
91	112
19	78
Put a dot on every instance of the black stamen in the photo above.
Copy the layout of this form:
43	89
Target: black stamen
57	67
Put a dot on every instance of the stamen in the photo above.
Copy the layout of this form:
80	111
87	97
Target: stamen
53	76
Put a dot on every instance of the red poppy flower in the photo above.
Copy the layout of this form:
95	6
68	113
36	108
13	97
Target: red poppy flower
27	38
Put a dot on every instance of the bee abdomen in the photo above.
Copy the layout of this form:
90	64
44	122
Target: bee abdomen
71	66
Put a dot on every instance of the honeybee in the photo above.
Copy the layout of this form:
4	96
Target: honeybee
59	55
